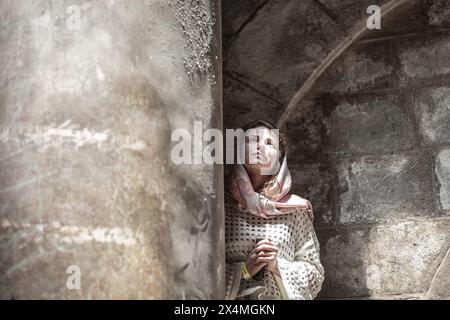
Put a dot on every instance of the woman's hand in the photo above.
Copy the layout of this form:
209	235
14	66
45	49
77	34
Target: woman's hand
267	252
252	264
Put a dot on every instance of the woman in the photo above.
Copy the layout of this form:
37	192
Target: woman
271	249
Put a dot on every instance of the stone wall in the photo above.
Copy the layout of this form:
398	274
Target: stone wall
370	144
90	92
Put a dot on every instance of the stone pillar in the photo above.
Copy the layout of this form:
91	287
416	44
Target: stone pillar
91	205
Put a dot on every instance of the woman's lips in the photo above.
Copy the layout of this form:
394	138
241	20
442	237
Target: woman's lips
259	157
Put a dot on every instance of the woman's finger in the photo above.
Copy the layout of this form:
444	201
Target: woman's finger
266	247
254	254
260	264
265	240
267	254
265	259
258	267
270	246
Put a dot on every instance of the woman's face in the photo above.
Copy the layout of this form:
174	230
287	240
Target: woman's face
262	150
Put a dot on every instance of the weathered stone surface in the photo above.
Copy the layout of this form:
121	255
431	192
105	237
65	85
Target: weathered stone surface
315	183
344	256
304	131
439	13
87	107
442	170
432	108
390	228
364	67
386	260
409	18
385	187
350	12
281	46
407	254
236	14
368	123
423	58
439	288
243	104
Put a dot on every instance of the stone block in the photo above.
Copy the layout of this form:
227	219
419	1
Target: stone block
407	255
442	170
423	58
315	183
439	13
369	124
385	188
432	110
304	130
344	256
387	260
363	67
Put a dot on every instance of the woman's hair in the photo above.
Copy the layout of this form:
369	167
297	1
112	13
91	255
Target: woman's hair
261	123
282	147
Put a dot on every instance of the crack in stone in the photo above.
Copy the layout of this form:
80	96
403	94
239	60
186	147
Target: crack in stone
251	17
229	75
329	13
248	21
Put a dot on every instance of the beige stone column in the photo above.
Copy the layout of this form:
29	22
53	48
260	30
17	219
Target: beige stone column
91	205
